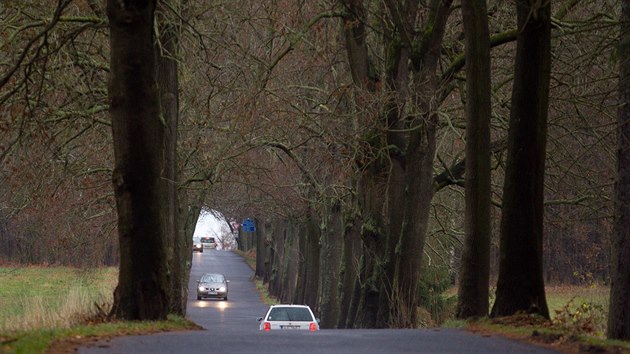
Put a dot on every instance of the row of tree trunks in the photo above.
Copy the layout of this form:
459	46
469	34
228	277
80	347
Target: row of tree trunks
247	240
282	255
395	185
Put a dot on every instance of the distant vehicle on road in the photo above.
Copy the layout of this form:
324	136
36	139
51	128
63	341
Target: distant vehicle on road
208	242
197	245
289	317
212	285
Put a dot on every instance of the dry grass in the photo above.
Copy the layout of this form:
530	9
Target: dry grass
34	298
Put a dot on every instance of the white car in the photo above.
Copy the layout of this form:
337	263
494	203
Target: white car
209	242
289	317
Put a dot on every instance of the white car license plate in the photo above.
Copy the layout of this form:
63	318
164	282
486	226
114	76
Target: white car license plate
289	327
212	293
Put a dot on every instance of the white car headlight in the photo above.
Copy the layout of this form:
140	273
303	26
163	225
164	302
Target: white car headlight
222	288
201	288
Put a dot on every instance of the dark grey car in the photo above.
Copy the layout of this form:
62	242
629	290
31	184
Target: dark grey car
212	285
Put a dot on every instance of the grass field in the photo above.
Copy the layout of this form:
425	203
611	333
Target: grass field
579	308
34	298
44	308
52	297
559	296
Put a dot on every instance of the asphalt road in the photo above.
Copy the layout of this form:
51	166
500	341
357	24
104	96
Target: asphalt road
231	327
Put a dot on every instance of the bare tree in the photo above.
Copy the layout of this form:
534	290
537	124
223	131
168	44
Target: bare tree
178	245
474	274
138	133
520	286
397	118
619	310
55	149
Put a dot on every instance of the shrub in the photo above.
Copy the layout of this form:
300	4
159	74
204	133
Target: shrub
587	318
434	282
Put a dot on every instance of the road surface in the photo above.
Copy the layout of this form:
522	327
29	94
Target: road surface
231	327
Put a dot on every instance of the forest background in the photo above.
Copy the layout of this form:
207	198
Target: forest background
265	99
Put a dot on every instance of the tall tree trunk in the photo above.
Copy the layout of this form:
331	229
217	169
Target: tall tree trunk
293	263
330	262
411	144
261	234
189	208
520	286
370	198
396	185
312	261
138	135
168	85
277	246
269	251
619	310
475	267
349	272
300	286
239	243
419	193
356	297
373	240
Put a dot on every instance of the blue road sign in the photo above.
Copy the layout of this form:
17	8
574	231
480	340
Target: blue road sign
249	225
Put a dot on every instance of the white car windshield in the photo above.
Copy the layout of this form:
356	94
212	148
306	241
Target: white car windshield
212	278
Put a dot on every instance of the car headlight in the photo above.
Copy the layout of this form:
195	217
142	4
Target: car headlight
222	289
201	288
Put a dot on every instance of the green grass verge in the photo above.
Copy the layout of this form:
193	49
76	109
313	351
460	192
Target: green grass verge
534	330
264	292
66	339
579	315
